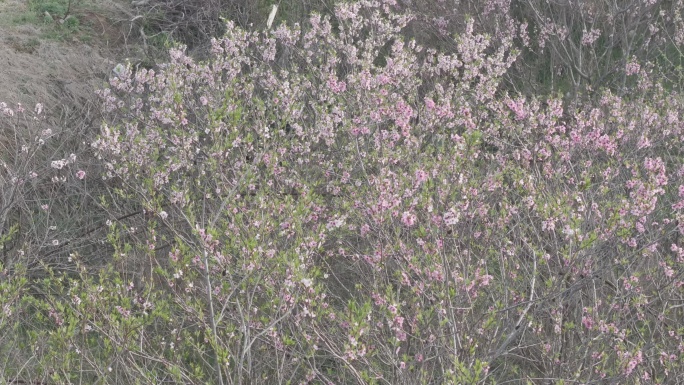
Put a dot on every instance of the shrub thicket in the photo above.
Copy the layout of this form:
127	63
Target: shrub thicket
333	203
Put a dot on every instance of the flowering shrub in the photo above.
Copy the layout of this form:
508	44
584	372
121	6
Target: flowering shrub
46	212
570	47
415	222
332	203
43	193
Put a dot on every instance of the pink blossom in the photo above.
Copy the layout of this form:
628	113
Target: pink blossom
58	164
589	37
408	219
124	312
421	176
429	104
336	86
632	68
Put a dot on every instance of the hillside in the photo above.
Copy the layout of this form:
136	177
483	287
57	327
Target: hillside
58	64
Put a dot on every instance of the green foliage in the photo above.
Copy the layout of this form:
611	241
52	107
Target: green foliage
72	23
60	18
55	8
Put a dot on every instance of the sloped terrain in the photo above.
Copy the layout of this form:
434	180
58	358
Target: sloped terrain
49	62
